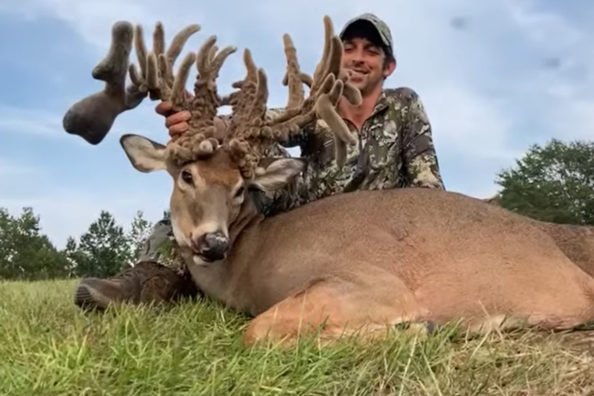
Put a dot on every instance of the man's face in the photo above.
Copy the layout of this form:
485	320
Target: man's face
365	64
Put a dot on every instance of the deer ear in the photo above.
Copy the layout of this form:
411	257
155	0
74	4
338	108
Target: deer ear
144	154
277	173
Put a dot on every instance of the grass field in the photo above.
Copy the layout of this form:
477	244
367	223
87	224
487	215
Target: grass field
48	347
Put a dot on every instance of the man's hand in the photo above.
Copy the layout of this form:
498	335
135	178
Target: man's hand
175	121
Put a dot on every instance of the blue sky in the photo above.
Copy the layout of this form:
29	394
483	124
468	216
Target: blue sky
496	76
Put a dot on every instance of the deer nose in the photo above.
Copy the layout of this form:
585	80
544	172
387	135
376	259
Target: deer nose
214	246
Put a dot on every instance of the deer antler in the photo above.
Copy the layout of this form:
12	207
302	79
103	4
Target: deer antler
157	78
327	85
93	116
351	93
156	67
249	121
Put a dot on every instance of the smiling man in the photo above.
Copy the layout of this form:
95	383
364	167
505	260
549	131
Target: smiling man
395	150
395	139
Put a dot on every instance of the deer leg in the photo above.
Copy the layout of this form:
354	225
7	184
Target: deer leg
332	309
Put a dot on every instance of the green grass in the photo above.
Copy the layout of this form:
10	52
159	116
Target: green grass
48	347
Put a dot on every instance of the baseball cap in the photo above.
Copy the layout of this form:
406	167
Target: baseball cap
380	26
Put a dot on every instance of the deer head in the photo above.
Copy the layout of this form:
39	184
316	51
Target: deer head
215	165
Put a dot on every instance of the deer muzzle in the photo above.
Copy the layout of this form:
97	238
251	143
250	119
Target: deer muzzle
212	246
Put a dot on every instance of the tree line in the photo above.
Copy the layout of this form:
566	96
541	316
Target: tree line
103	250
553	182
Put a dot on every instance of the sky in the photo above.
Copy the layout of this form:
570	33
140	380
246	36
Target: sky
495	76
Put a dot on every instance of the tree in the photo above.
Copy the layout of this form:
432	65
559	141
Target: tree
553	183
25	253
140	230
103	250
74	257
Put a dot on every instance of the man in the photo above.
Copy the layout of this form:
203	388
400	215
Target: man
395	150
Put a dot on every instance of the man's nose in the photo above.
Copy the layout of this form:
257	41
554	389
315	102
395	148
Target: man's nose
357	55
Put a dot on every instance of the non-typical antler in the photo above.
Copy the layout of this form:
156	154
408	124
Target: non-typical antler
250	124
251	132
327	86
351	93
93	116
157	77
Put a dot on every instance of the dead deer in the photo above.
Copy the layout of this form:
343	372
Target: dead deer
354	262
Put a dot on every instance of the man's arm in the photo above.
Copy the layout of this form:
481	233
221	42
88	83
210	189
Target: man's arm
420	159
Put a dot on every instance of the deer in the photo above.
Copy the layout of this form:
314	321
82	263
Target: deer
353	263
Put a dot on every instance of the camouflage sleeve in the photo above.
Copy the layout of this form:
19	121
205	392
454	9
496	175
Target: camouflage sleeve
284	199
420	158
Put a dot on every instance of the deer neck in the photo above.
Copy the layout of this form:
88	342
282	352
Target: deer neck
217	279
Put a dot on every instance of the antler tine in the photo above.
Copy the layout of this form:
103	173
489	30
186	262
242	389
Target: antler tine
178	89
242	99
171	54
258	109
178	42
140	48
158	39
156	67
206	100
331	45
294	79
322	66
296	91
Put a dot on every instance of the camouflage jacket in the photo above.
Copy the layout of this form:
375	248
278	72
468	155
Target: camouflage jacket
395	149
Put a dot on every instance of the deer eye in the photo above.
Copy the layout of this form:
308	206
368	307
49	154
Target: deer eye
187	177
239	192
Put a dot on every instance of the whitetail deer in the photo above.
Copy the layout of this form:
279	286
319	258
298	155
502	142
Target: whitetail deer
357	261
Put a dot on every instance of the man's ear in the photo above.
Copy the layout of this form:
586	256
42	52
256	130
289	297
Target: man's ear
389	67
277	173
144	154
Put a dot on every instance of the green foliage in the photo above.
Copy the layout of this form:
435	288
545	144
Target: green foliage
553	183
139	232
24	252
103	250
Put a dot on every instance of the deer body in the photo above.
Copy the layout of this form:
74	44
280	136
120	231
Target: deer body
401	255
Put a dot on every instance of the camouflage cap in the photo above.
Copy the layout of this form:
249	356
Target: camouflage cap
382	29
